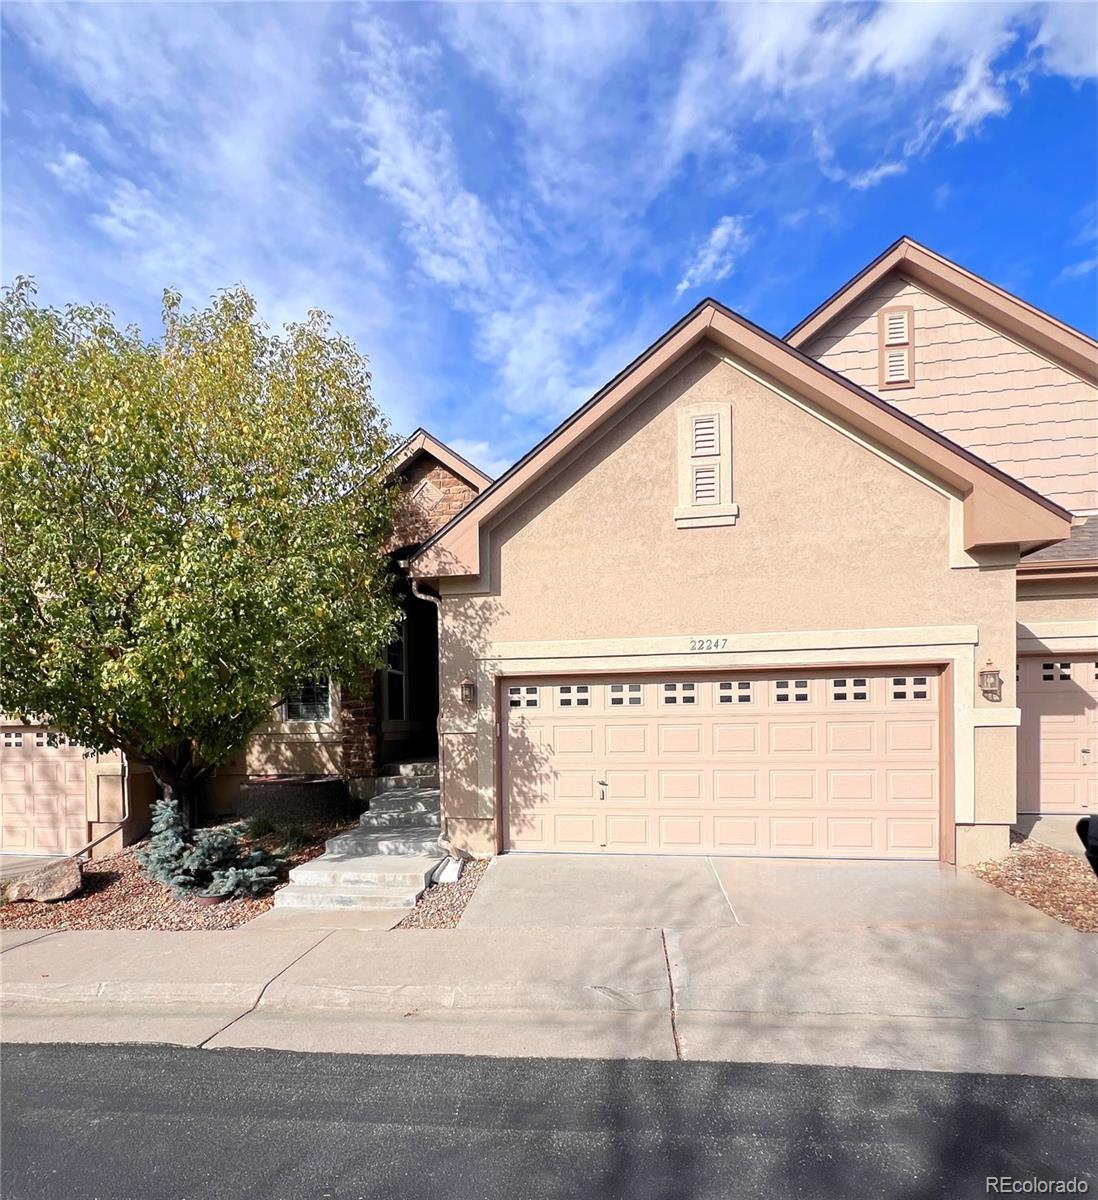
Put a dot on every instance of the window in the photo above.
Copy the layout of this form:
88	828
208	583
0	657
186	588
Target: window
1055	672
310	700
795	690
13	739
522	697
734	692
396	676
849	689
704	496
574	695
680	693
622	694
914	687
896	347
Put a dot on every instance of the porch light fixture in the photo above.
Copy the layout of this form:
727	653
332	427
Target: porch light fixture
991	682
468	691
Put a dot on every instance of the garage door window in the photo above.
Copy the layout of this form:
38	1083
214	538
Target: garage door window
622	694
795	690
680	693
522	697
13	739
734	691
844	690
573	695
909	687
1055	672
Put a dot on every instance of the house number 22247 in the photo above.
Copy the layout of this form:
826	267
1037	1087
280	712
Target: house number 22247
708	643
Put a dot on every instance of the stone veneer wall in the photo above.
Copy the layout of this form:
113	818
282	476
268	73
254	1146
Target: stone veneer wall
433	495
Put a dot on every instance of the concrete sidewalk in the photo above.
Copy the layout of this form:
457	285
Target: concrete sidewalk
1021	1003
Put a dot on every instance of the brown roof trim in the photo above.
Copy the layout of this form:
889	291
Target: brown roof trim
423	442
711	320
1058	568
1049	336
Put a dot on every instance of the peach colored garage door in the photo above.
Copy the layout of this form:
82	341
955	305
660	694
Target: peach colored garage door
42	807
837	765
1058	740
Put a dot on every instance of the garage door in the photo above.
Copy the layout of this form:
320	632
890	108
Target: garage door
841	765
42	805
1058	740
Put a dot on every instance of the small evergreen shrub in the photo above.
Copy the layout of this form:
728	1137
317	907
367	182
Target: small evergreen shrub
209	861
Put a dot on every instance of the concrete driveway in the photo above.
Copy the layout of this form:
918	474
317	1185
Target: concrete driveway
619	891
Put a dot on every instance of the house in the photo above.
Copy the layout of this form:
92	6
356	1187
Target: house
832	595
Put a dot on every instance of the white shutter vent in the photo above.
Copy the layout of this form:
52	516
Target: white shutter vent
706	490
706	437
896	333
896	366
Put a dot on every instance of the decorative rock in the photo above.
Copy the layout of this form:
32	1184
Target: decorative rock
58	881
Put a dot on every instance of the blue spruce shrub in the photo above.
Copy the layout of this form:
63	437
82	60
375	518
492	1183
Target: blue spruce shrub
210	861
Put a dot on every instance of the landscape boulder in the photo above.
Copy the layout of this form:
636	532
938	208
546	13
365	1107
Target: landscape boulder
58	881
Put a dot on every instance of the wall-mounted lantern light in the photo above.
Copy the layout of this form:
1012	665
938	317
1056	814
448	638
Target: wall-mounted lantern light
991	682
468	691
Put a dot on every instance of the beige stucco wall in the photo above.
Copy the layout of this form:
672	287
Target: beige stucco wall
1058	600
830	537
1015	408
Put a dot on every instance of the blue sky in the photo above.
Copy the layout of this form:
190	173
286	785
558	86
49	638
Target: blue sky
504	204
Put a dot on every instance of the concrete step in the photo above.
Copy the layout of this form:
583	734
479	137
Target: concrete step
406	783
371	872
417	800
396	817
342	896
411	840
426	766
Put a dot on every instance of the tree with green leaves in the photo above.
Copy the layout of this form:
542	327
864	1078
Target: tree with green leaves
189	525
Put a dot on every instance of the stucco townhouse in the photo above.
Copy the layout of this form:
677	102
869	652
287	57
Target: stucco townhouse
827	595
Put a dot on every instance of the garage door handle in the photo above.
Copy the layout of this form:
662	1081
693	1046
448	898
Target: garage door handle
601	782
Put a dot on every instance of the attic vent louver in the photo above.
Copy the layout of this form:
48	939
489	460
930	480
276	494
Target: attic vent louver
896	366
705	485
706	437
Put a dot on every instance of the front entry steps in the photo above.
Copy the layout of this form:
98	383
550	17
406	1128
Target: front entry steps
387	862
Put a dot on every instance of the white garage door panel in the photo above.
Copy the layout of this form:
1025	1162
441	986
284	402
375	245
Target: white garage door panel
825	765
1058	739
42	800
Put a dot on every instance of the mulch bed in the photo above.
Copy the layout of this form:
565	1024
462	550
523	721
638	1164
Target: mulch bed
117	895
1053	881
441	906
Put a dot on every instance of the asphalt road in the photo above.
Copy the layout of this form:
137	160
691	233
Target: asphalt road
159	1122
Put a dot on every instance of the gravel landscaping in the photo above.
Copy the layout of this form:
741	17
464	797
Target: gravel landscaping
441	906
1053	881
117	895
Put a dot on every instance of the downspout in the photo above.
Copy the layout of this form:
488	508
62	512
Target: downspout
434	598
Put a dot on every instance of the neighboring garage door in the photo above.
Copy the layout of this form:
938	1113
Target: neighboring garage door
836	765
1058	741
42	804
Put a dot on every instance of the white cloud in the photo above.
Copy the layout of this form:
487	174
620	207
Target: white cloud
1079	269
483	455
715	259
72	170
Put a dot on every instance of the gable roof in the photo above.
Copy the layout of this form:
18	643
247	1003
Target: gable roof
1030	325
998	509
422	442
